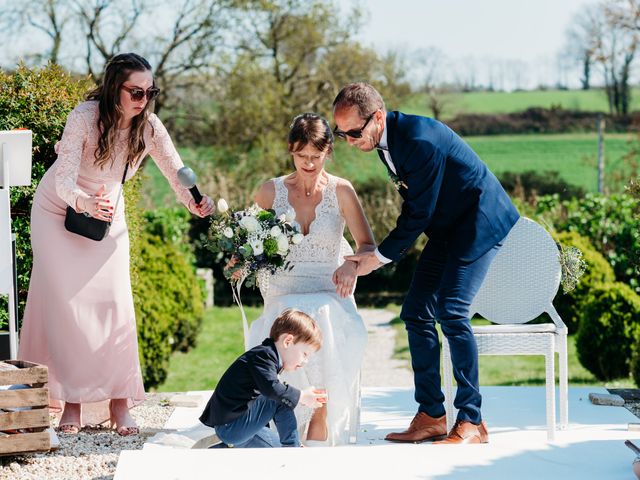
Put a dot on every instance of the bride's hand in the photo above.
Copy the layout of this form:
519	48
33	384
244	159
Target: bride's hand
344	278
230	264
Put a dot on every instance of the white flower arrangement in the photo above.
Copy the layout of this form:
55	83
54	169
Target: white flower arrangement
250	241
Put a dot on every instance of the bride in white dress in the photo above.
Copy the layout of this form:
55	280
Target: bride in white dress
320	283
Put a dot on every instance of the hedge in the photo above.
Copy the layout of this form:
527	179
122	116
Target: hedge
609	330
570	305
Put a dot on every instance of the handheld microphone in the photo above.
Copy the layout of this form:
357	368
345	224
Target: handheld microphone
187	179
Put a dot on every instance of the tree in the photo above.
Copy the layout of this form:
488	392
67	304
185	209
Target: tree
50	17
182	46
579	48
292	56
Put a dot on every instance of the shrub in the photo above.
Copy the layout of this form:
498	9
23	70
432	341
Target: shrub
608	222
169	306
609	330
38	99
167	295
570	305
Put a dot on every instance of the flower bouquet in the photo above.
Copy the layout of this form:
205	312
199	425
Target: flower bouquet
252	243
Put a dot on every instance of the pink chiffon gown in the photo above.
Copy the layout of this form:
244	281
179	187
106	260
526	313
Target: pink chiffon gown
79	318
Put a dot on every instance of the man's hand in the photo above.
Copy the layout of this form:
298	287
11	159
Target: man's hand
367	262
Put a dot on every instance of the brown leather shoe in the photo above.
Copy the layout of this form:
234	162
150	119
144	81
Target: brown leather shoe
466	432
422	428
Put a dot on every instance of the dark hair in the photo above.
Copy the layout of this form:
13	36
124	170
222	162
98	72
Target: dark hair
303	328
116	72
310	128
361	95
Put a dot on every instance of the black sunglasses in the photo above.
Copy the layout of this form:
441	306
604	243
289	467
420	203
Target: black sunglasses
357	133
137	94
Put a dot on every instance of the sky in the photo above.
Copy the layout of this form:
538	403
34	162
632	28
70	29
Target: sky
520	38
529	31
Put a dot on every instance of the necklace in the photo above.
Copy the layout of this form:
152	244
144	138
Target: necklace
308	194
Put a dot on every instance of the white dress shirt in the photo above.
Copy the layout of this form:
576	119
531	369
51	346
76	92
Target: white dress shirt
387	157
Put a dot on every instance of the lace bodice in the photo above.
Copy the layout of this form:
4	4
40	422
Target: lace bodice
80	140
319	254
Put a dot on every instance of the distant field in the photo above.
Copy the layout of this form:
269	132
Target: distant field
507	102
573	155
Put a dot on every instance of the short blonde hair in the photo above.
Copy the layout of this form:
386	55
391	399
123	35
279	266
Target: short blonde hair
303	328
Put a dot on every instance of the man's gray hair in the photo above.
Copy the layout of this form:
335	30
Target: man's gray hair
361	95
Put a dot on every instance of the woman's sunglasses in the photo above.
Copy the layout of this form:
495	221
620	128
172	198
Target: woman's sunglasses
356	133
137	94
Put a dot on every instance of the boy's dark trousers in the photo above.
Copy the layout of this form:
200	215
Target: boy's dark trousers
249	430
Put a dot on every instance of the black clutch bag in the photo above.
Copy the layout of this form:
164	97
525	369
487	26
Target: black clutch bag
85	225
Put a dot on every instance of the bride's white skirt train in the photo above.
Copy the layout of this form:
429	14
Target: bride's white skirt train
336	366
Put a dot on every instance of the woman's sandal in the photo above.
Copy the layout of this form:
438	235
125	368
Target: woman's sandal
69	428
122	430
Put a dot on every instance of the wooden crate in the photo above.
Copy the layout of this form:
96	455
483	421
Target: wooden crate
36	419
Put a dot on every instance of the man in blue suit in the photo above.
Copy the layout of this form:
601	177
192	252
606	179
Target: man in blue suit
449	194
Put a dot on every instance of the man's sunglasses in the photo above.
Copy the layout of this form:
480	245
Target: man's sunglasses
356	133
137	94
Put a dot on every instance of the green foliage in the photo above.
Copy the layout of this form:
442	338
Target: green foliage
169	306
37	99
609	330
570	306
292	61
608	223
171	224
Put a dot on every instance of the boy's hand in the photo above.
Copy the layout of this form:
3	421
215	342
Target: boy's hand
309	398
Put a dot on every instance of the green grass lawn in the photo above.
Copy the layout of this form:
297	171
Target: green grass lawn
507	102
514	370
219	344
573	155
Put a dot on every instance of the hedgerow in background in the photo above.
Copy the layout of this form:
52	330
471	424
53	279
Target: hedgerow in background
38	99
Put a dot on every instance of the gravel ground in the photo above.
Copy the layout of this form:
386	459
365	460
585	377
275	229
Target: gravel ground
92	454
379	369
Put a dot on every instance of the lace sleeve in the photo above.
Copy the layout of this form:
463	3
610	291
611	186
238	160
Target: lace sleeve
69	158
165	155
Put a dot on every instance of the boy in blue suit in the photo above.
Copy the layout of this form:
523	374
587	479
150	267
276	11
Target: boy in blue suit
250	395
448	194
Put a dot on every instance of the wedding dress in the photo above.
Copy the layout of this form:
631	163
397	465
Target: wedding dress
308	287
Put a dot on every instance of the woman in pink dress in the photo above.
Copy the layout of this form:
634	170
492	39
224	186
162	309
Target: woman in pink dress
79	319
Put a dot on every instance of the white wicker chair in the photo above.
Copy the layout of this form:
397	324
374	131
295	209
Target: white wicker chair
520	285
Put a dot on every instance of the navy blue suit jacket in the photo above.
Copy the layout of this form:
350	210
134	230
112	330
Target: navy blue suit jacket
450	193
255	372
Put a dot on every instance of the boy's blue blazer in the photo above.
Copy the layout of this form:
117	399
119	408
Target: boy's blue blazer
254	373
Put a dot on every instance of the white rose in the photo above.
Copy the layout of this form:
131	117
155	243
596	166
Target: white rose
290	216
256	246
283	244
275	232
297	238
222	205
228	232
251	224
